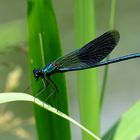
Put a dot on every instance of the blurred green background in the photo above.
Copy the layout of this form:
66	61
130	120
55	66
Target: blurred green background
16	119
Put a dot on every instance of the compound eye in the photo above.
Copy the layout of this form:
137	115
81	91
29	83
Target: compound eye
36	72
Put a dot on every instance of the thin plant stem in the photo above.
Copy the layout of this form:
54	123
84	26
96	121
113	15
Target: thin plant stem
105	77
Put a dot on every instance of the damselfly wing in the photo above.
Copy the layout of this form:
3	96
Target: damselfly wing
89	55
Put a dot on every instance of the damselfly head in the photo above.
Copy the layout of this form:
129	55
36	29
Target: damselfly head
37	73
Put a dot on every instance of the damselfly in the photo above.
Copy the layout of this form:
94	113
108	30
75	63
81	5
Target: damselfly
89	56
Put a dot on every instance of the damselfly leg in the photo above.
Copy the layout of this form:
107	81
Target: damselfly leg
42	90
53	86
48	82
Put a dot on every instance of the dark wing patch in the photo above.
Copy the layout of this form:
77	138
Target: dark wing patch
89	55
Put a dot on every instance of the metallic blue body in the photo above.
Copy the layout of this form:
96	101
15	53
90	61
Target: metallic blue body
49	69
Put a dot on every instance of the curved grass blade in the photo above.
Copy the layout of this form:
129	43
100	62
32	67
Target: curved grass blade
11	96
